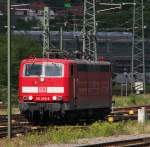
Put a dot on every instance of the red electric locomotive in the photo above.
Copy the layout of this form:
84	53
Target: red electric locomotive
63	87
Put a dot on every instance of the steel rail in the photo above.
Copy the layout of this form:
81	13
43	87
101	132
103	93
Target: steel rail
18	120
130	142
127	113
130	107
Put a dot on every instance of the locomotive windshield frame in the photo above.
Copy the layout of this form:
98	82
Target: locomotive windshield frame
43	69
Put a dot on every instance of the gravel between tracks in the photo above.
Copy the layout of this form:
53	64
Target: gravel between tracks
98	140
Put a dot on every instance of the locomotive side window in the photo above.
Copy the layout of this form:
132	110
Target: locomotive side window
33	69
53	69
83	67
93	68
105	68
100	68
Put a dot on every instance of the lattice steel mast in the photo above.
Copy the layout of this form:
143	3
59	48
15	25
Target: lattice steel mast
46	37
89	31
138	58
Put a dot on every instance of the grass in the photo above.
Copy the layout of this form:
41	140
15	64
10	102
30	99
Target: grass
131	100
68	134
14	100
3	95
15	110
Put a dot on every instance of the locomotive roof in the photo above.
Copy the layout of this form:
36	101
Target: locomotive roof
78	61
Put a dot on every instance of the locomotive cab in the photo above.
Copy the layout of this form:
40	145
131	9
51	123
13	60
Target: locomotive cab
43	86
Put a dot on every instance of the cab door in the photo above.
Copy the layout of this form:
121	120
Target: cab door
74	83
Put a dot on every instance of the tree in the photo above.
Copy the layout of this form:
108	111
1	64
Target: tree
3	23
22	47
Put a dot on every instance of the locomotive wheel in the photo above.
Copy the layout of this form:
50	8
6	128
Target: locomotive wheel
32	116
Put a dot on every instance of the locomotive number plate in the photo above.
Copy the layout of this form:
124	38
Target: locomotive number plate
42	89
42	98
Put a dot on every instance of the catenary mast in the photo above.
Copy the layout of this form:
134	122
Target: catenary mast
89	31
138	57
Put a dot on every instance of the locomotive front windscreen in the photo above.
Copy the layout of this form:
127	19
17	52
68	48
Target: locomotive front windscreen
53	69
44	69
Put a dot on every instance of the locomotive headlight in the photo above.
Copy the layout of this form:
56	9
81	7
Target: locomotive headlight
42	79
30	97
54	98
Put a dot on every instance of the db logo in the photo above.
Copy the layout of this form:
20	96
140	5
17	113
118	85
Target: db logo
42	90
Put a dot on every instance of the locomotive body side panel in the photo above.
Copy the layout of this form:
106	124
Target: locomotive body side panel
94	87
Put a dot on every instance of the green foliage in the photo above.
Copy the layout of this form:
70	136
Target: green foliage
26	25
21	48
65	134
131	100
3	95
3	60
134	127
105	129
3	22
68	134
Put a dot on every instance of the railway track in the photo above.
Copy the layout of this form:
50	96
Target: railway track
20	129
3	106
127	113
127	109
17	118
139	141
20	125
